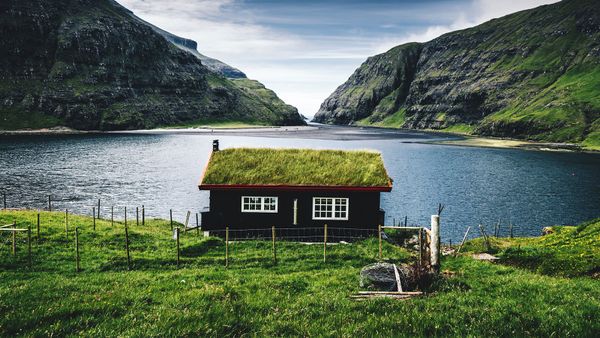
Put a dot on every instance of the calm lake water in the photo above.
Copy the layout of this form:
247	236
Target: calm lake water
477	185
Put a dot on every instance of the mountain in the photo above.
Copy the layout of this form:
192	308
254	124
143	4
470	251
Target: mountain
92	65
534	74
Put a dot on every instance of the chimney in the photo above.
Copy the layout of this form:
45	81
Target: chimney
215	145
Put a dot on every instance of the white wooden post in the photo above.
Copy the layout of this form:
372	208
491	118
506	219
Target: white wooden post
434	246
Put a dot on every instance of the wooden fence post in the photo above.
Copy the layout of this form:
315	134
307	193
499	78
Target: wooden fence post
137	216
38	226
98	208
177	235
171	218
127	247
49	203
434	247
112	215
485	237
94	216
67	224
29	245
510	228
380	248
77	267
4	198
125	217
143	215
187	219
226	246
325	242
274	252
420	247
14	239
463	240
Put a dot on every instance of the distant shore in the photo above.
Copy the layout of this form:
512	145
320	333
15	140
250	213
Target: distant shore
330	132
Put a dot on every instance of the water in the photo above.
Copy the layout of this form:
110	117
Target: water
161	171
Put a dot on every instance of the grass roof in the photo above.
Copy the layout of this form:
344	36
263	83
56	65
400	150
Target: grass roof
302	167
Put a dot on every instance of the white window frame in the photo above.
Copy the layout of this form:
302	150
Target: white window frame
261	204
333	205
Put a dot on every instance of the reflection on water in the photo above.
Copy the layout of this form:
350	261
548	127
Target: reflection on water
477	185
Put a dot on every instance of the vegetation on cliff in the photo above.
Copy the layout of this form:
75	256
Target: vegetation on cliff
92	65
532	74
298	296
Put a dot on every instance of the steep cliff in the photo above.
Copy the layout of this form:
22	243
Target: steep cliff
89	65
533	74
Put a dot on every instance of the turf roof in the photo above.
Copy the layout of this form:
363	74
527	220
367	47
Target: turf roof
296	167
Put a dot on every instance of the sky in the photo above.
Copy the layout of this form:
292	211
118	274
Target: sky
305	49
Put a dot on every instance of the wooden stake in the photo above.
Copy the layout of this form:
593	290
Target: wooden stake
127	246
98	208
137	216
49	203
420	246
187	219
380	249
14	239
510	229
177	235
171	218
38	226
29	245
197	225
126	217
143	215
434	248
67	224
463	240
405	221
94	216
325	242
226	246
485	238
77	267
112	215
274	252
4	198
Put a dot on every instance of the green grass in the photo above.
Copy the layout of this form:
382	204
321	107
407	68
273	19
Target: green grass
299	296
296	167
569	251
460	128
14	119
395	120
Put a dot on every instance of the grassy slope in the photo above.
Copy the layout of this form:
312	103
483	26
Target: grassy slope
569	251
296	167
300	296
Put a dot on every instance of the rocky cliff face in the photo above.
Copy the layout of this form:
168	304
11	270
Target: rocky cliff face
533	74
89	65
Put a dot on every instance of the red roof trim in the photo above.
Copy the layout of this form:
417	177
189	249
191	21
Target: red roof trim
292	187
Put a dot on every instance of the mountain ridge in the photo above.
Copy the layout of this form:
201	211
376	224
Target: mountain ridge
529	75
89	65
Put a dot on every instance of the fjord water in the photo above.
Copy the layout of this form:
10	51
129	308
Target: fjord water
530	189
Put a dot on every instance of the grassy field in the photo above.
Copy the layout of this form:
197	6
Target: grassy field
298	296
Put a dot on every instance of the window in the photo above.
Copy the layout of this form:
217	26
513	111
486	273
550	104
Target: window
259	204
330	208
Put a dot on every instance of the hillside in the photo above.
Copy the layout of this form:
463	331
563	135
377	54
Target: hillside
256	297
534	75
92	65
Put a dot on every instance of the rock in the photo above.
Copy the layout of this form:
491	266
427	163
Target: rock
547	231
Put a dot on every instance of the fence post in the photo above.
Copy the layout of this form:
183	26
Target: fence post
274	252
197	225
125	217
177	235
171	218
14	239
29	245
143	215
38	226
435	243
49	203
77	267
98	208
94	216
137	216
226	246
4	199
420	247
127	246
67	224
325	242
510	227
380	249
187	219
463	240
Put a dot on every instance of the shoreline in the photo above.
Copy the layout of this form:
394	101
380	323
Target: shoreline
331	132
